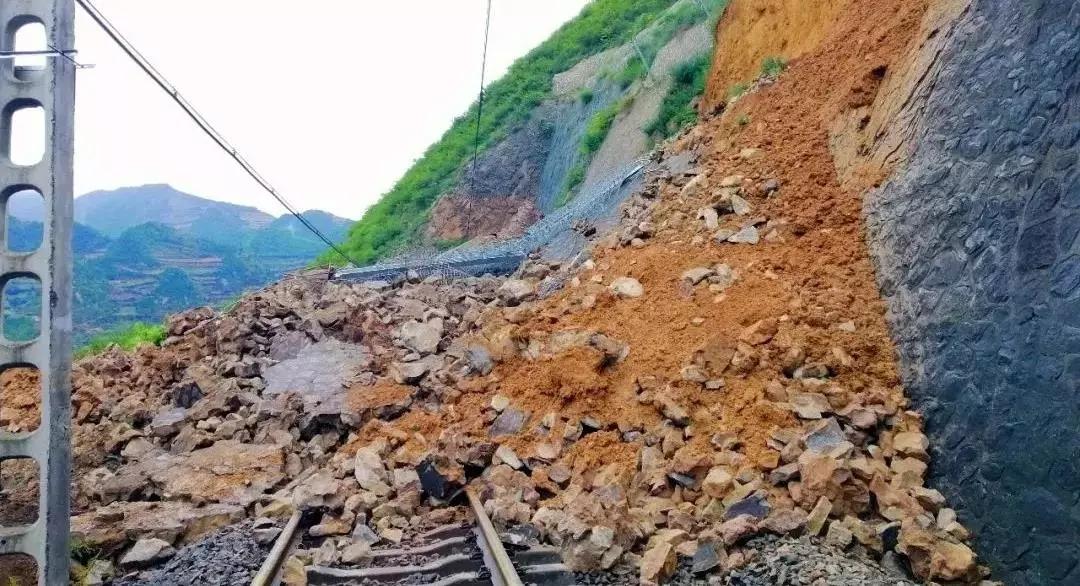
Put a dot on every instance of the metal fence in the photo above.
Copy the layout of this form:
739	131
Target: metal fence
557	236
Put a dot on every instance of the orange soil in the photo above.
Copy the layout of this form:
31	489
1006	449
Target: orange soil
814	277
752	30
20	400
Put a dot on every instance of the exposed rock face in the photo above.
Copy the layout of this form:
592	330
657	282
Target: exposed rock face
977	253
498	196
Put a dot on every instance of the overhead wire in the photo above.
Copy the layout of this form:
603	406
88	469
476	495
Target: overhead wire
147	67
480	99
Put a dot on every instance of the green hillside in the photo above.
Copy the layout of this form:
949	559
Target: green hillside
398	217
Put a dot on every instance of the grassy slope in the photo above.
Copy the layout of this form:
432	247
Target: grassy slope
398	216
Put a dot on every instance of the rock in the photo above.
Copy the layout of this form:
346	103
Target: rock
515	291
785	521
717	482
731	181
838	535
500	402
393	535
809	405
559	473
770	186
293	572
750	154
409	372
147	552
738	529
694	186
814	370
721	236
710	217
370	472
706	557
676	413
740	206
546	452
818	515
696	275
932	557
363	534
318	490
440	480
760	332
479	360
98	572
509	422
111	526
657	564
332	525
756	506
422	337
405	478
266	535
784	474
747	235
168	422
627	288
355	553
910	443
505	454
824	436
793	359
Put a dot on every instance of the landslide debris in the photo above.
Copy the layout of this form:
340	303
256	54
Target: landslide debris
716	371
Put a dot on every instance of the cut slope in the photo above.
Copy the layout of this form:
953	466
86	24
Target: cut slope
752	30
399	215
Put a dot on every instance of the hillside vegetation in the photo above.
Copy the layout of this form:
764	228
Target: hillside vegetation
399	215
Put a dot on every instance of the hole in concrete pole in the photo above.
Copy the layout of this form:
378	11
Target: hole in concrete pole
24	213
24	133
28	38
21	305
19	482
20	400
18	568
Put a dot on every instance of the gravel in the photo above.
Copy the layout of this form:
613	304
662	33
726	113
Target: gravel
227	557
777	562
799	561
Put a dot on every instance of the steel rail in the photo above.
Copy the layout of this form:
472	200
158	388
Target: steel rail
503	565
272	565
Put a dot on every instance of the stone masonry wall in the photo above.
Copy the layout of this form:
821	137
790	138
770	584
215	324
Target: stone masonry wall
976	246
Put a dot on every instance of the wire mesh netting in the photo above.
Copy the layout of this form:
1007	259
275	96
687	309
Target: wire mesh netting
559	236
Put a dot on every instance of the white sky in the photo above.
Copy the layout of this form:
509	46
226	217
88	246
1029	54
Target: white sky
331	100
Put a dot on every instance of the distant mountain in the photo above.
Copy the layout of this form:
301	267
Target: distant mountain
144	252
111	212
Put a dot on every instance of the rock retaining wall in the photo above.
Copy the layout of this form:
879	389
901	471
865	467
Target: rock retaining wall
976	246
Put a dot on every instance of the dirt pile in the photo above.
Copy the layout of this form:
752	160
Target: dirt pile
722	367
751	31
718	370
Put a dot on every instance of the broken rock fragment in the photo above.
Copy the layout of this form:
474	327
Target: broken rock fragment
147	552
627	288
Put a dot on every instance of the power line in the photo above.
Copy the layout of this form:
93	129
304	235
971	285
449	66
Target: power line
129	49
480	100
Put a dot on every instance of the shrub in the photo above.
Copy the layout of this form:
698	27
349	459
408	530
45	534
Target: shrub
573	180
597	129
585	95
127	338
633	71
737	90
677	111
773	66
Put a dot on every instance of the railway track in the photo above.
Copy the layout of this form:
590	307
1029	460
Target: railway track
462	554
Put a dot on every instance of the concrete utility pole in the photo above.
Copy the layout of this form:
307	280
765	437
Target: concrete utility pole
52	89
